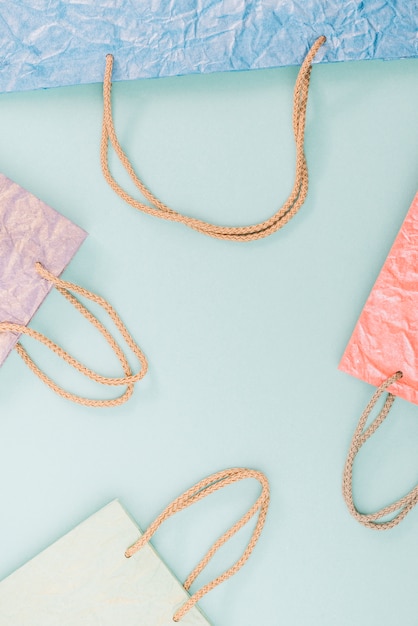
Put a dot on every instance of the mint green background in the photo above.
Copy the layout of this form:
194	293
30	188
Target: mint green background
243	340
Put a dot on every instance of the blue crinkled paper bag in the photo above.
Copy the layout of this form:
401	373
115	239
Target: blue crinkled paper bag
49	43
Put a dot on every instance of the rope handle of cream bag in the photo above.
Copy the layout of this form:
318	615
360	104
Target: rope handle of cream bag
199	491
159	209
402	506
129	379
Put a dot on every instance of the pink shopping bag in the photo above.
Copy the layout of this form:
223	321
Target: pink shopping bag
383	351
36	245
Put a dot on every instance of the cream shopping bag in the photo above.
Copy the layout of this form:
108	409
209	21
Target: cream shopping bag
102	574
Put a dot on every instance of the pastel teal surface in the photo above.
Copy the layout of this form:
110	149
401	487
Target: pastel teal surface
55	43
243	340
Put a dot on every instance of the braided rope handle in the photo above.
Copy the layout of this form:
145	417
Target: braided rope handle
402	506
129	379
159	209
199	491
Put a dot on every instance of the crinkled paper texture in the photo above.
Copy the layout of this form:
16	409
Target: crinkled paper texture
85	578
49	43
30	231
385	339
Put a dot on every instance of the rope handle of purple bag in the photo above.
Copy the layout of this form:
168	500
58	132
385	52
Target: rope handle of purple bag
199	491
129	379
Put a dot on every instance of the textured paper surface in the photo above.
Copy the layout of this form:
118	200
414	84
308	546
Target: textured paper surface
84	578
385	338
48	44
30	231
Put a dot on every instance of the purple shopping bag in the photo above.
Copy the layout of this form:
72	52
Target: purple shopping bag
36	245
30	232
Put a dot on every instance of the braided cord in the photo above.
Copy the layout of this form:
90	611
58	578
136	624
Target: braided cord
199	491
235	233
129	379
402	506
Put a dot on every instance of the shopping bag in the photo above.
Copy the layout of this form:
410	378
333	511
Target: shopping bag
383	351
50	44
105	571
36	244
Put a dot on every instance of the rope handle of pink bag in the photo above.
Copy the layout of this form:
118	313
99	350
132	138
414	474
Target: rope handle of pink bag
161	210
129	379
402	506
199	491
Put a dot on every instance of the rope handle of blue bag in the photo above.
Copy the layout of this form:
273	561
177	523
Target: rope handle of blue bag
402	506
199	491
159	209
129	379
